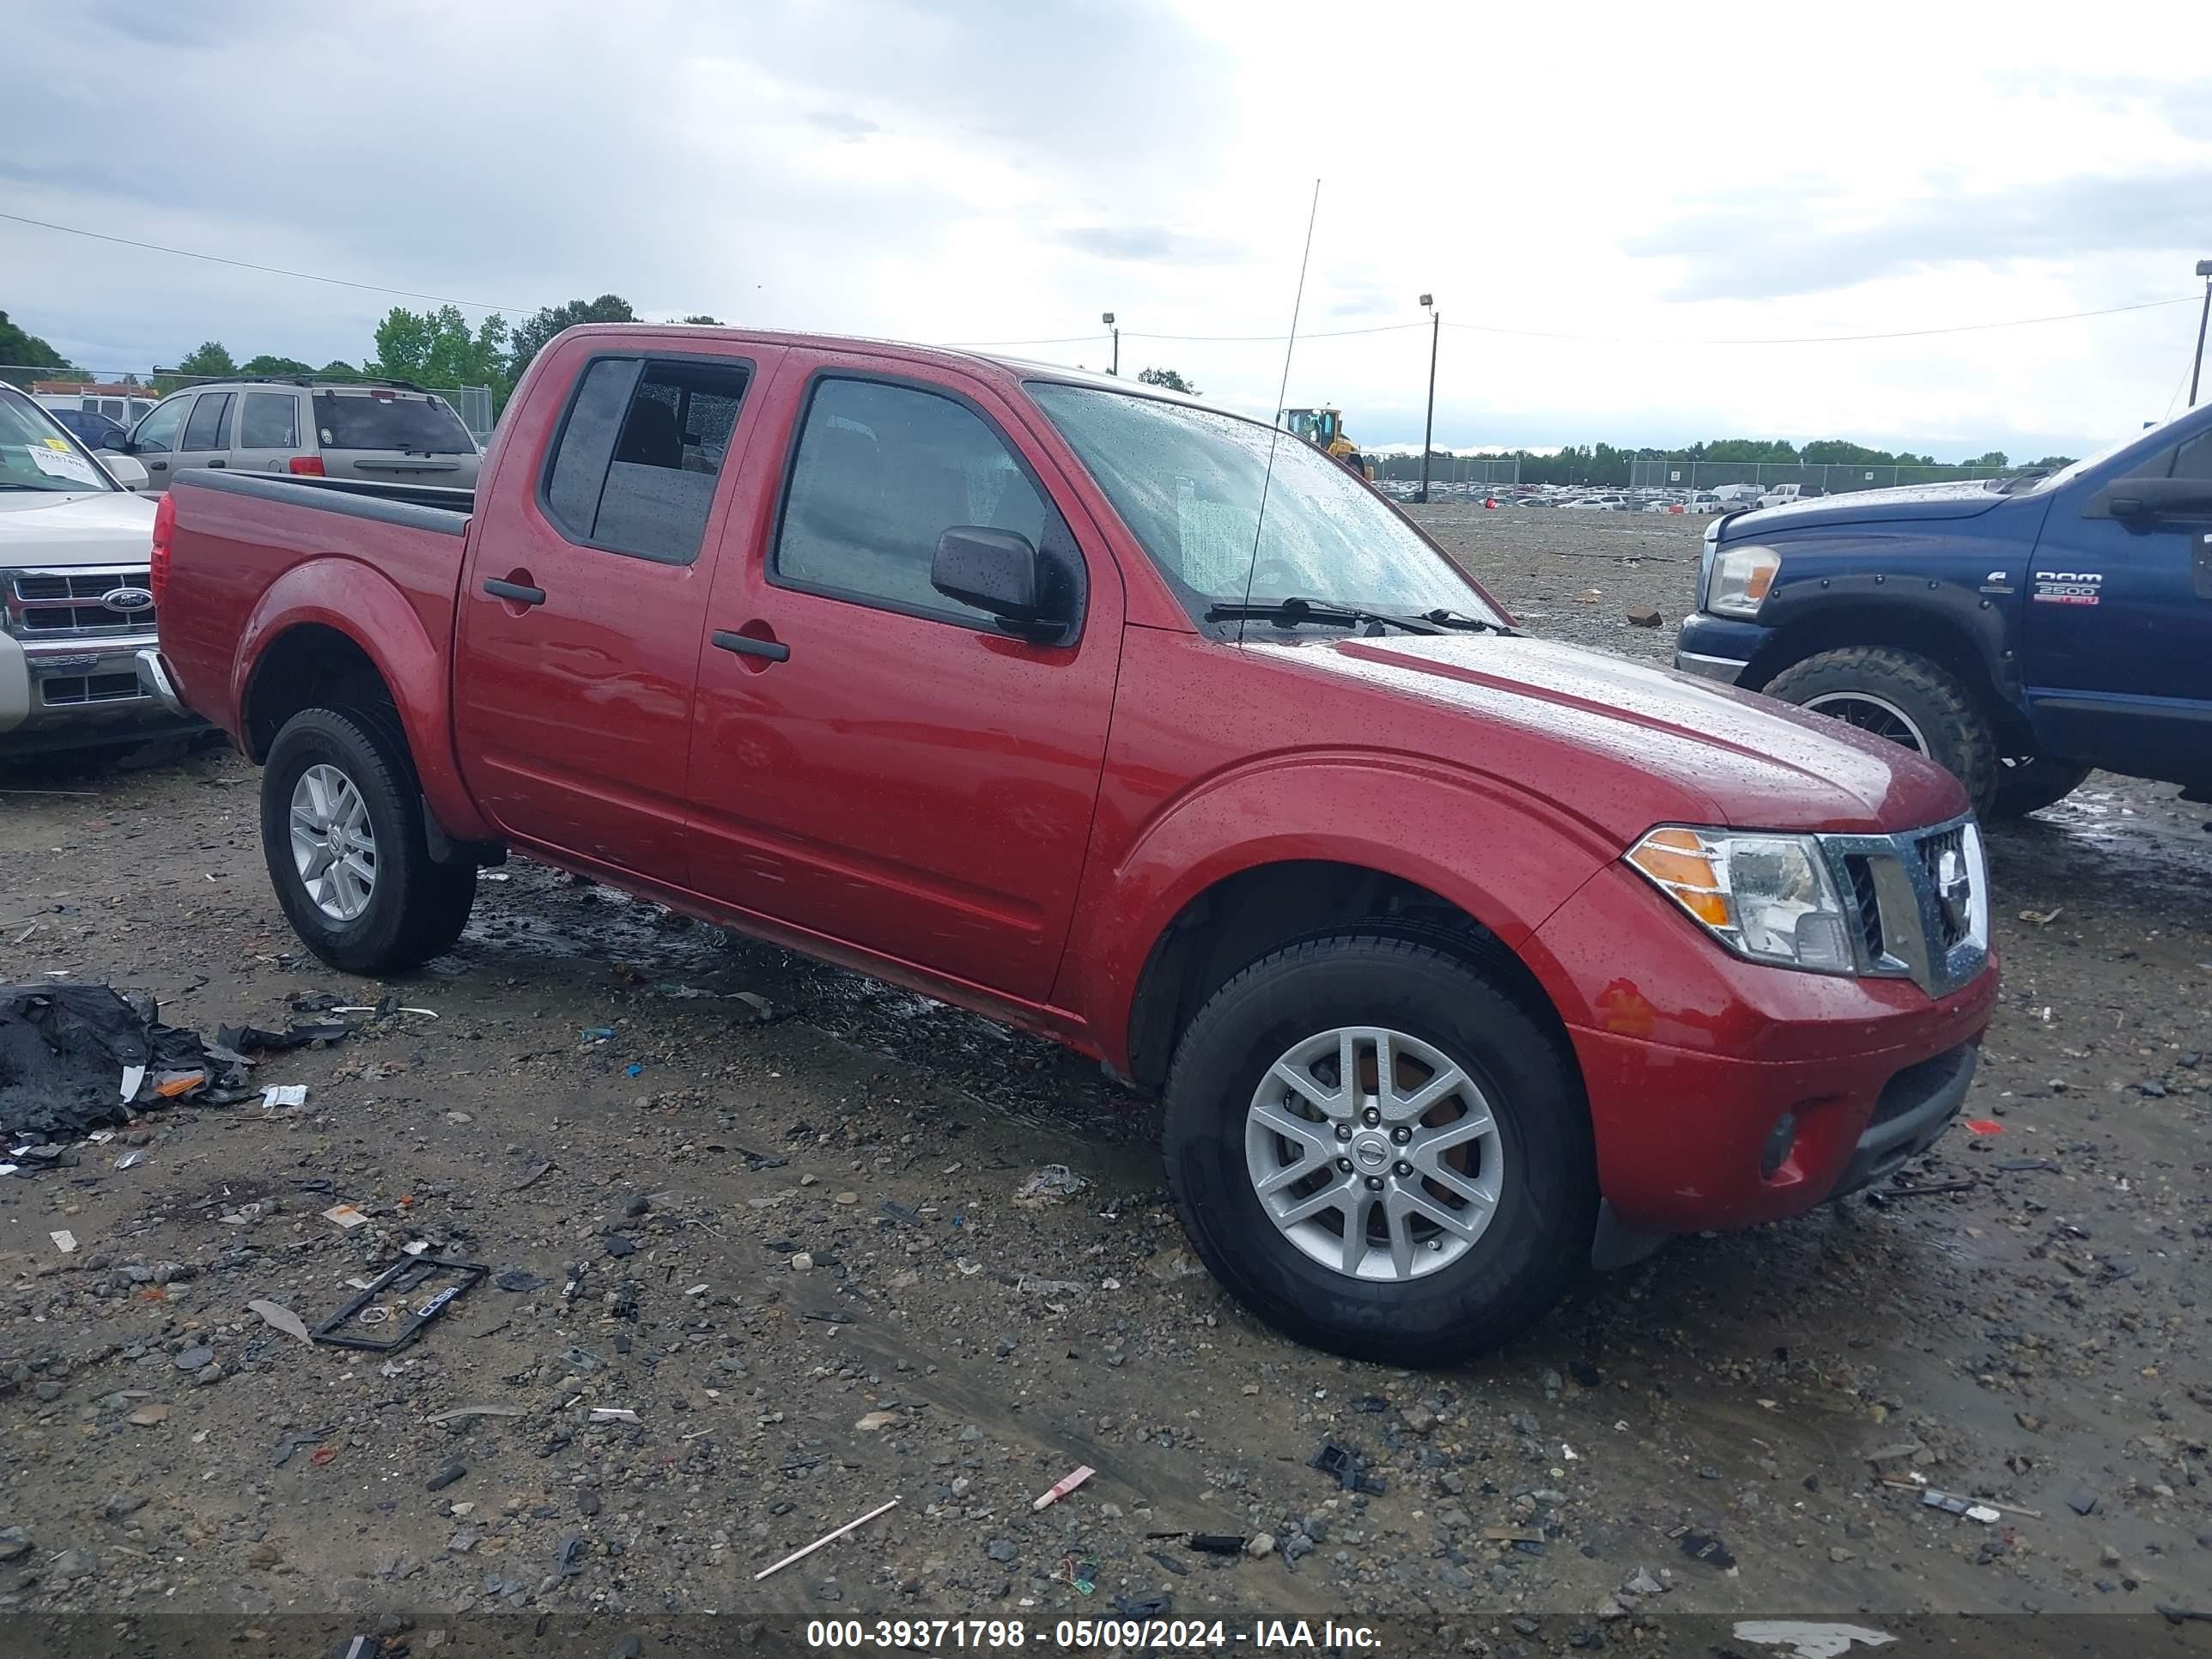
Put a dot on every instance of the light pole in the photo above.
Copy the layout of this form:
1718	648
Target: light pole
2203	269
1107	318
1429	427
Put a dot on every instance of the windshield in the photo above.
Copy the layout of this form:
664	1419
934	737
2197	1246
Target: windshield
36	453
1187	484
2151	437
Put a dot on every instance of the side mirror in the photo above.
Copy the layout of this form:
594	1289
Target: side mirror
996	571
118	443
2151	498
129	473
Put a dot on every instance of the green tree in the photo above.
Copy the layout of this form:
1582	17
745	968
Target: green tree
265	364
339	368
531	334
439	348
1169	380
24	356
711	322
211	361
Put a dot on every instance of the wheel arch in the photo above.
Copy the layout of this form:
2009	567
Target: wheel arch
1962	632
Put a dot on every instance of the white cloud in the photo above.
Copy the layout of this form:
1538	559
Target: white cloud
990	169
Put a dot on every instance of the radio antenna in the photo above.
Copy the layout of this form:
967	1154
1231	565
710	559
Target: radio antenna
1275	428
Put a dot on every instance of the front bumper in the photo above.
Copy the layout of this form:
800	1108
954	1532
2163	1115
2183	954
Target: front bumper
1717	648
1692	1057
69	693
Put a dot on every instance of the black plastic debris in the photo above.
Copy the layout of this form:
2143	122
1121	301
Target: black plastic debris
391	1293
1349	1467
67	1050
570	1560
1216	1543
619	1246
1370	1404
445	1477
1169	1563
514	1278
2083	1502
1704	1547
1155	1606
251	1040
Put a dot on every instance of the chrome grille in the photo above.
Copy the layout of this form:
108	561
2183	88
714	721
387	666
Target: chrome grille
65	605
1919	901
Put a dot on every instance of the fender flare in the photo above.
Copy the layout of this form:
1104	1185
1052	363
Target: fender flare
1957	609
1317	806
350	598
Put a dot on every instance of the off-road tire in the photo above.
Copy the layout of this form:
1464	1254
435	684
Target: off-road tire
2028	785
1959	735
417	908
1536	1244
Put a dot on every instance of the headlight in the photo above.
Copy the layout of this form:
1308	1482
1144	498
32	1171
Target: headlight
1739	580
1767	897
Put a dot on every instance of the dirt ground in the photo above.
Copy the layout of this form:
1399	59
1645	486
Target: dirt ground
794	1248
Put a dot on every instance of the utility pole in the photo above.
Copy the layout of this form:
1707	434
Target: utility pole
1108	318
2203	269
1429	427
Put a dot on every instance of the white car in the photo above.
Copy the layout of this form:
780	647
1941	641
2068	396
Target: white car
74	603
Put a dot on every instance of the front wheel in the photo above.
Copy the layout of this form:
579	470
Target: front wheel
1379	1152
342	831
1911	700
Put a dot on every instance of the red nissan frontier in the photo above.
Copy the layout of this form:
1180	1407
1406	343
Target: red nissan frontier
1459	958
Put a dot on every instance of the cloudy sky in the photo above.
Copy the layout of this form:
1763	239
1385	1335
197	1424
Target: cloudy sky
1606	204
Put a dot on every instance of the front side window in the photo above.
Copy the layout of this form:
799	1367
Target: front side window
157	433
881	473
2194	459
640	454
1190	482
270	421
204	429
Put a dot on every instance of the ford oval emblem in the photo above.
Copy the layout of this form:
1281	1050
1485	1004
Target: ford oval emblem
127	598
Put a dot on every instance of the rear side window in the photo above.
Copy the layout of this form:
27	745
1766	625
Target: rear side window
271	421
204	429
882	472
390	421
640	453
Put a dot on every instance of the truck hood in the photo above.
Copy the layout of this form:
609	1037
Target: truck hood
1651	746
1938	501
49	528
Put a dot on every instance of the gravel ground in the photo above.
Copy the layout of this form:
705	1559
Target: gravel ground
796	1248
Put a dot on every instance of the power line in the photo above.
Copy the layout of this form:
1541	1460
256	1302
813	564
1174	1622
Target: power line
272	270
1825	339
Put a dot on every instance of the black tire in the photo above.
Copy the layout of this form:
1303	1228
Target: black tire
1955	729
1538	1238
2028	785
417	908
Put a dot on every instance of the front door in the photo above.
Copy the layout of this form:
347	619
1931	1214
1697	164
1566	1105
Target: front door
155	439
2119	620
583	605
873	762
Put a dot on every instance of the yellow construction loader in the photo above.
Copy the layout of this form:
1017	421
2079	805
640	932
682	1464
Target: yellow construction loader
1324	429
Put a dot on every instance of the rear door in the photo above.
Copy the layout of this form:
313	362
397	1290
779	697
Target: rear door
585	603
871	761
386	435
2119	618
269	427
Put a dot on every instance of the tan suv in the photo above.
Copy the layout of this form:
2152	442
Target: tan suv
381	431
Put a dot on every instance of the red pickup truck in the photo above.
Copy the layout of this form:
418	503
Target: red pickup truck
1459	957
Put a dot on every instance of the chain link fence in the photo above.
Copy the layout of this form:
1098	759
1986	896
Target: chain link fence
1450	469
123	395
1829	477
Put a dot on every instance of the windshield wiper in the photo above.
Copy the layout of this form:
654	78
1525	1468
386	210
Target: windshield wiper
2015	481
1460	619
1293	611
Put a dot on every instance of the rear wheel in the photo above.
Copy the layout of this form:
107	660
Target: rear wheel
1910	700
1379	1151
342	831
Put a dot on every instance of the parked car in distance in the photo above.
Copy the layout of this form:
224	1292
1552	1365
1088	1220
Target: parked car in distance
2020	630
386	431
74	604
93	430
121	403
994	680
1783	494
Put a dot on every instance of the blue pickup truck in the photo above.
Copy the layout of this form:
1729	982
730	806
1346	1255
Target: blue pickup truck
2021	631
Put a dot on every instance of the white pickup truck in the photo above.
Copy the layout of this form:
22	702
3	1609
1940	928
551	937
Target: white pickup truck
74	603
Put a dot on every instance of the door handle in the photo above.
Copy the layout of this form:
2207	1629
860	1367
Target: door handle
515	591
157	467
218	461
746	646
